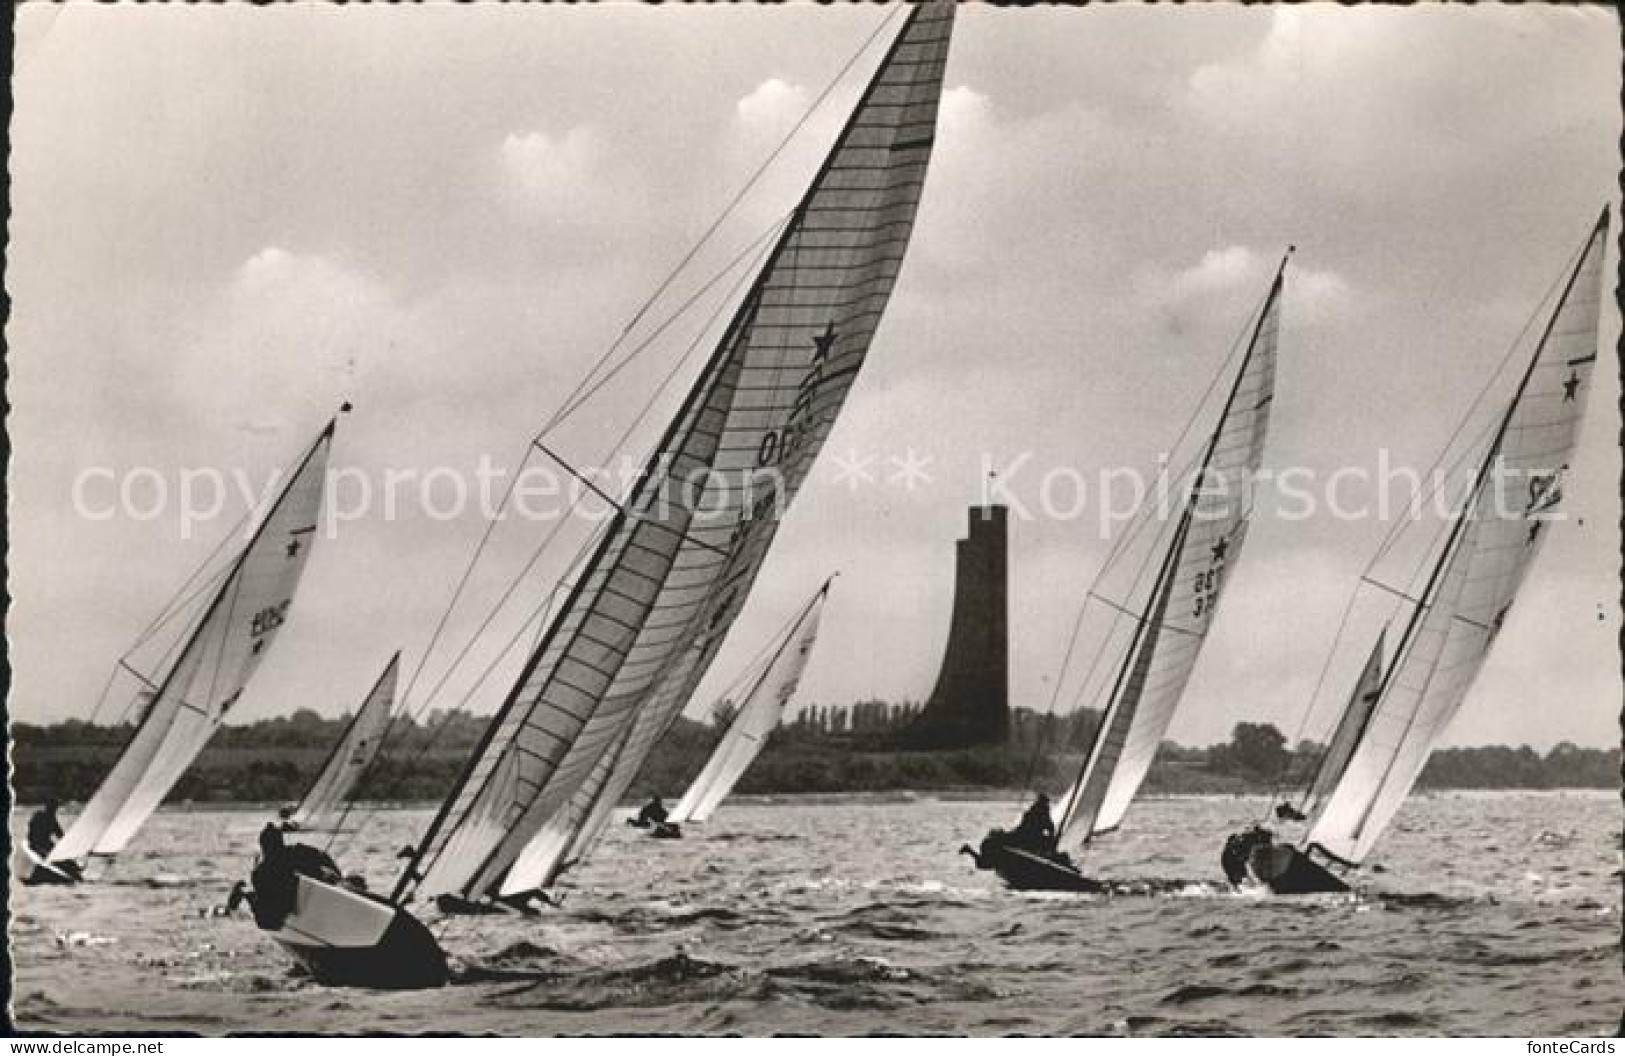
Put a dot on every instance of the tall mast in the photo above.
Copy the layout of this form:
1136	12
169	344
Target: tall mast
1459	525
1161	584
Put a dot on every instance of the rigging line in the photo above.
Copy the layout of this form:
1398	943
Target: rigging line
1162	585
462	584
1313	707
173	606
749	673
211	583
1135	582
236	566
1436	483
770	653
344	736
547	541
580	395
1237	344
1243	337
1460	524
1500	368
553	534
572	403
630	515
1113	556
433	734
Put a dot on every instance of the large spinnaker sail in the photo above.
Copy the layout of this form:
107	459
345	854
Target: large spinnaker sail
1480	569
211	670
755	720
351	756
664	585
1204	547
1351	727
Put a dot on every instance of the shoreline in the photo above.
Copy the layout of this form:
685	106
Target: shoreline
875	798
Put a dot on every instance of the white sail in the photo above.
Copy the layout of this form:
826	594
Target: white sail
666	582
571	834
550	851
1517	492
1204	548
1350	728
211	671
354	752
755	720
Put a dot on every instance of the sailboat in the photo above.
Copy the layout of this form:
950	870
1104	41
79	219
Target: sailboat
1393	720
661	587
186	703
755	719
1167	634
354	751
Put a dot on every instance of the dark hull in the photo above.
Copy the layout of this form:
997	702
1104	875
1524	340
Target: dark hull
1026	871
665	830
406	958
1288	871
345	938
34	871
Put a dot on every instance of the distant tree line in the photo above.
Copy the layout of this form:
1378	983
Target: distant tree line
818	750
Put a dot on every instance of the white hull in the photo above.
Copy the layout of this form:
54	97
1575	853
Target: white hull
348	939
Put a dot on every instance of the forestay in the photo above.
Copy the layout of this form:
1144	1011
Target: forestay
1204	547
754	721
351	756
1503	523
210	672
667	580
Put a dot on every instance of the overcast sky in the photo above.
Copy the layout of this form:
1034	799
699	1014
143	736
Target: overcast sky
227	220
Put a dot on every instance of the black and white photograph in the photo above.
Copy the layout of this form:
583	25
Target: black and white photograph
922	518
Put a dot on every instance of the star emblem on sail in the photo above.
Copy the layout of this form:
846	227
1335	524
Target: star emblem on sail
1474	577
208	673
626	649
1182	596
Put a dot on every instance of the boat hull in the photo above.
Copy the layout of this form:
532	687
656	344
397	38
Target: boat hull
345	938
1289	871
31	870
1024	870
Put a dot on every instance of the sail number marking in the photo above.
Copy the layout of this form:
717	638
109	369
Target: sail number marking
269	618
1206	589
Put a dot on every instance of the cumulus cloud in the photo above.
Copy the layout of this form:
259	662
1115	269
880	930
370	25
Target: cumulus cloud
557	175
773	107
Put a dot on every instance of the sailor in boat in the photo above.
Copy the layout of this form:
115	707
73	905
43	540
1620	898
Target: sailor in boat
285	820
274	880
43	831
653	813
1237	856
1034	833
1036	829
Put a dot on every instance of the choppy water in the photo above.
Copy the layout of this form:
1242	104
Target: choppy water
1496	914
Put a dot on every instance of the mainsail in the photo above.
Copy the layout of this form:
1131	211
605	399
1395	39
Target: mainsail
569	835
755	719
351	756
1517	490
1334	763
665	583
209	673
1203	548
